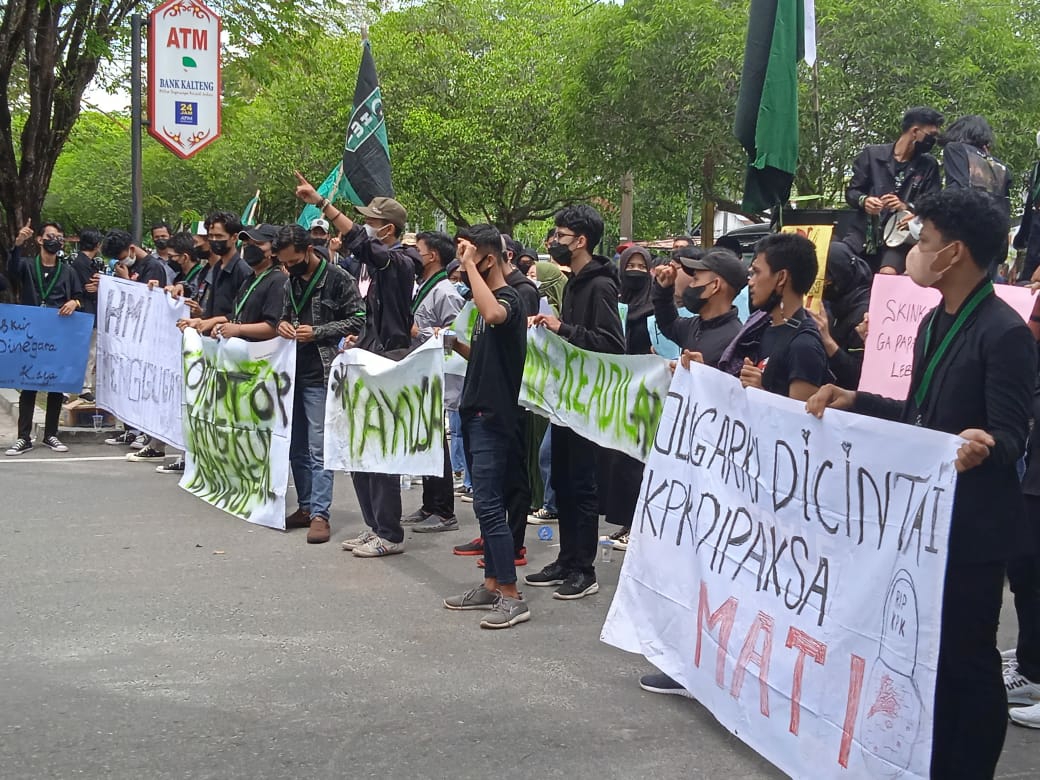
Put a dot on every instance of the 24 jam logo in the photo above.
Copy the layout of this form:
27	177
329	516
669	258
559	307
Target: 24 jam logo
187	113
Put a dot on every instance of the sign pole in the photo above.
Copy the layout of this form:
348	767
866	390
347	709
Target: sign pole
136	175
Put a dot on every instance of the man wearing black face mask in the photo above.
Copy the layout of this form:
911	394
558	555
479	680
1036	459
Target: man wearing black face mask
160	240
229	271
887	179
589	319
321	306
718	275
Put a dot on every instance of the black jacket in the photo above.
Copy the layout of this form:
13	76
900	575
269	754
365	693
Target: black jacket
526	289
985	381
709	337
388	304
874	174
589	315
65	288
85	268
336	309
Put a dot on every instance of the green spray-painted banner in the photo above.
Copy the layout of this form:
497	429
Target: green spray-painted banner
612	400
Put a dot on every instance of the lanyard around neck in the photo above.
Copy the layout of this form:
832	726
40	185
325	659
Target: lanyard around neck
241	304
298	307
926	381
45	294
426	287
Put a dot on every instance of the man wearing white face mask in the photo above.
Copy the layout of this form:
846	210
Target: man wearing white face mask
973	374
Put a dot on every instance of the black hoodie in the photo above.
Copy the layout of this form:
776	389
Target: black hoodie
590	309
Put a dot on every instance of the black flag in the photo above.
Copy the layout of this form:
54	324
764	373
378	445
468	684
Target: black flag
366	154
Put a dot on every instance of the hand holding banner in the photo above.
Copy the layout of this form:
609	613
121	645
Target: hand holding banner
41	350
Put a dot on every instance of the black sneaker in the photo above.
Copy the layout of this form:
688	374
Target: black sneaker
126	438
662	683
553	574
20	446
578	585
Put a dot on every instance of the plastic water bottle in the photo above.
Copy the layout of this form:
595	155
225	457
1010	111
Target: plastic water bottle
606	550
545	533
406	482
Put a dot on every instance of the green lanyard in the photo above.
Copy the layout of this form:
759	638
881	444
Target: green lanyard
426	287
298	307
241	304
45	294
926	381
192	273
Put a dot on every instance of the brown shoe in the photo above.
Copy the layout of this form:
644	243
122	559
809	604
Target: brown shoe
298	519
320	531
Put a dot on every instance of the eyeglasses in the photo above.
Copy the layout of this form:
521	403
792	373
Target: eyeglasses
560	234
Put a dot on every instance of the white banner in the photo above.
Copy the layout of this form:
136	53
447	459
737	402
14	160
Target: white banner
612	400
788	572
238	407
384	416
139	374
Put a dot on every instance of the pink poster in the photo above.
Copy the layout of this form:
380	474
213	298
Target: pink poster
897	306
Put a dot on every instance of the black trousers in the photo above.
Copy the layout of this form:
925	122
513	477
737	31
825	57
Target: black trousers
573	477
517	489
26	407
438	493
625	477
970	702
379	496
1024	578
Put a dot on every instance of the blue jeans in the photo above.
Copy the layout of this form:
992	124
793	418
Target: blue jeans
545	465
456	450
307	452
487	442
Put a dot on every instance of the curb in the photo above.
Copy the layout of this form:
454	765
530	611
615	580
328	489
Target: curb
9	405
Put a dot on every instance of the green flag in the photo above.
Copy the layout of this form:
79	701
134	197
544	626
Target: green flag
249	213
332	188
767	109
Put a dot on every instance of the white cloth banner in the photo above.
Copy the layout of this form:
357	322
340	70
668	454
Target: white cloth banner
238	407
139	374
612	400
384	416
788	572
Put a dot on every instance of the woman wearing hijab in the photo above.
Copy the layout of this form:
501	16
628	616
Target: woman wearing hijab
635	265
625	474
551	282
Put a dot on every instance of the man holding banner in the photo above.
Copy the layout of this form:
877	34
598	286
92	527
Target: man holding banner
322	305
589	320
973	374
49	283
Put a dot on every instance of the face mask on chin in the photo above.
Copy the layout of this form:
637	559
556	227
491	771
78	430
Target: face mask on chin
919	265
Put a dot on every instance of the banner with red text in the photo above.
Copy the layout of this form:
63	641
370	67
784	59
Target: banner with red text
897	306
788	572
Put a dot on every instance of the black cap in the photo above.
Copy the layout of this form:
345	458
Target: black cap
722	262
263	233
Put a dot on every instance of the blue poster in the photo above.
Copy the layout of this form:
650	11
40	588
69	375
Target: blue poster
41	350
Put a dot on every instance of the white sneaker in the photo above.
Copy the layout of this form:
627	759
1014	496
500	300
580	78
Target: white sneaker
377	547
362	538
1020	690
1026	716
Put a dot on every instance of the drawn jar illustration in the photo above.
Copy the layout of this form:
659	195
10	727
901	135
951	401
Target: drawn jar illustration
891	708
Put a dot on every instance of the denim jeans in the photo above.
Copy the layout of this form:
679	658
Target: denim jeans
457	452
545	464
307	452
487	443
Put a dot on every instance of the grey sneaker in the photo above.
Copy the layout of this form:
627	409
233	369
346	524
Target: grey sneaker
377	547
434	523
477	598
507	613
415	518
362	538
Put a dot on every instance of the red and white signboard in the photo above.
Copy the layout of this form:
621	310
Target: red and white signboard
184	76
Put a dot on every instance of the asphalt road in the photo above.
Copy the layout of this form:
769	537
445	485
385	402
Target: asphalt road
144	634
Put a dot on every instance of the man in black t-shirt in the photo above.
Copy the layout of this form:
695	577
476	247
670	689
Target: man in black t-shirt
228	271
788	357
489	419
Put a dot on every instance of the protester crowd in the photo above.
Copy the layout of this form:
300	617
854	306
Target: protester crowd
358	281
